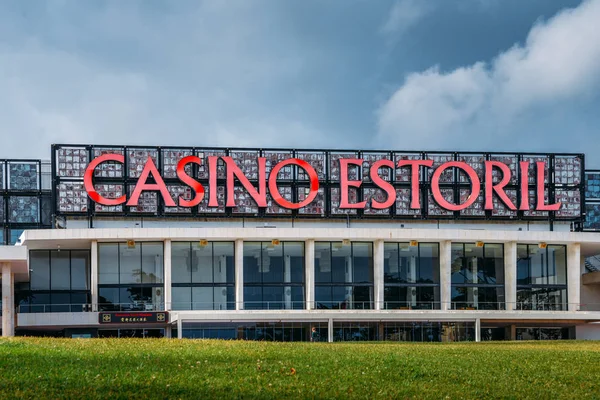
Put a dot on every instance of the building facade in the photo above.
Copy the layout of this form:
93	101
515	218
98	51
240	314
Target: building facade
267	244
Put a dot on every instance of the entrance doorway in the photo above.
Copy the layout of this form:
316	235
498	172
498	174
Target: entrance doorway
132	333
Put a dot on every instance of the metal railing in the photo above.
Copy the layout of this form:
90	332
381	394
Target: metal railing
397	306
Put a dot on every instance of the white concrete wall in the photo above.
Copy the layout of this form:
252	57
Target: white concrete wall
588	332
524	226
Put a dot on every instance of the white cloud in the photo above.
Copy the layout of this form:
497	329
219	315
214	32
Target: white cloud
403	15
558	64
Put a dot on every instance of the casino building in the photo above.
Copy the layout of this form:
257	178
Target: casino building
265	244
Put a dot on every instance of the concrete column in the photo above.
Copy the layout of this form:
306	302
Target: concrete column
378	261
94	275
309	273
478	330
168	332
330	330
8	306
573	276
445	274
510	275
239	274
179	328
167	274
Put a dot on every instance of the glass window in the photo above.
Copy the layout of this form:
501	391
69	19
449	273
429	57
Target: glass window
181	262
130	263
274	275
202	259
322	262
108	263
203	276
223	262
152	262
60	278
39	263
477	264
202	297
80	270
181	298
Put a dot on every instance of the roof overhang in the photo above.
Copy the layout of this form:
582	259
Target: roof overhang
16	257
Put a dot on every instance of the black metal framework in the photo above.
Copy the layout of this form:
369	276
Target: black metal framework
592	201
564	182
60	282
412	285
24	203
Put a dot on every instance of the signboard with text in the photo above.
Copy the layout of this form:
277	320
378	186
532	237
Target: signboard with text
165	181
133	317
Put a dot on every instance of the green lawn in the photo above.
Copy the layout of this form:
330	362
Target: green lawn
161	368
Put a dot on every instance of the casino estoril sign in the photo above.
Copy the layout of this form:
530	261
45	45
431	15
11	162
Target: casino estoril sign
151	180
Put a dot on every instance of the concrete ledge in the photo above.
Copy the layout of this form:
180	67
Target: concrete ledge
591	278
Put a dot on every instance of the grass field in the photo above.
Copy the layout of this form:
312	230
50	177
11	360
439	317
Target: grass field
160	368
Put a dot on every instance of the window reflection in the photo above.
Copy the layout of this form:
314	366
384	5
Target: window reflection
203	276
477	275
273	275
130	276
541	277
344	275
411	276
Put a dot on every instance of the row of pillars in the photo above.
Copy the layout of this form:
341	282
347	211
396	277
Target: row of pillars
510	274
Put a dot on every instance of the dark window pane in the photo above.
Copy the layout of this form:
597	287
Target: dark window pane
60	270
152	262
108	263
253	298
294	252
181	261
39	262
252	262
341	260
362	254
271	268
108	299
80	270
322	262
557	265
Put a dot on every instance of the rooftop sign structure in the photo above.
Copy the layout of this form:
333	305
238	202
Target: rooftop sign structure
165	181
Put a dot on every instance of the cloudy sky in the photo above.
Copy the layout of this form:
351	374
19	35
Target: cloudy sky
520	75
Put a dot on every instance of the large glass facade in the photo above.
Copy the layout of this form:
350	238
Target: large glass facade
261	331
343	275
541	277
477	276
273	275
411	276
130	276
203	276
59	282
